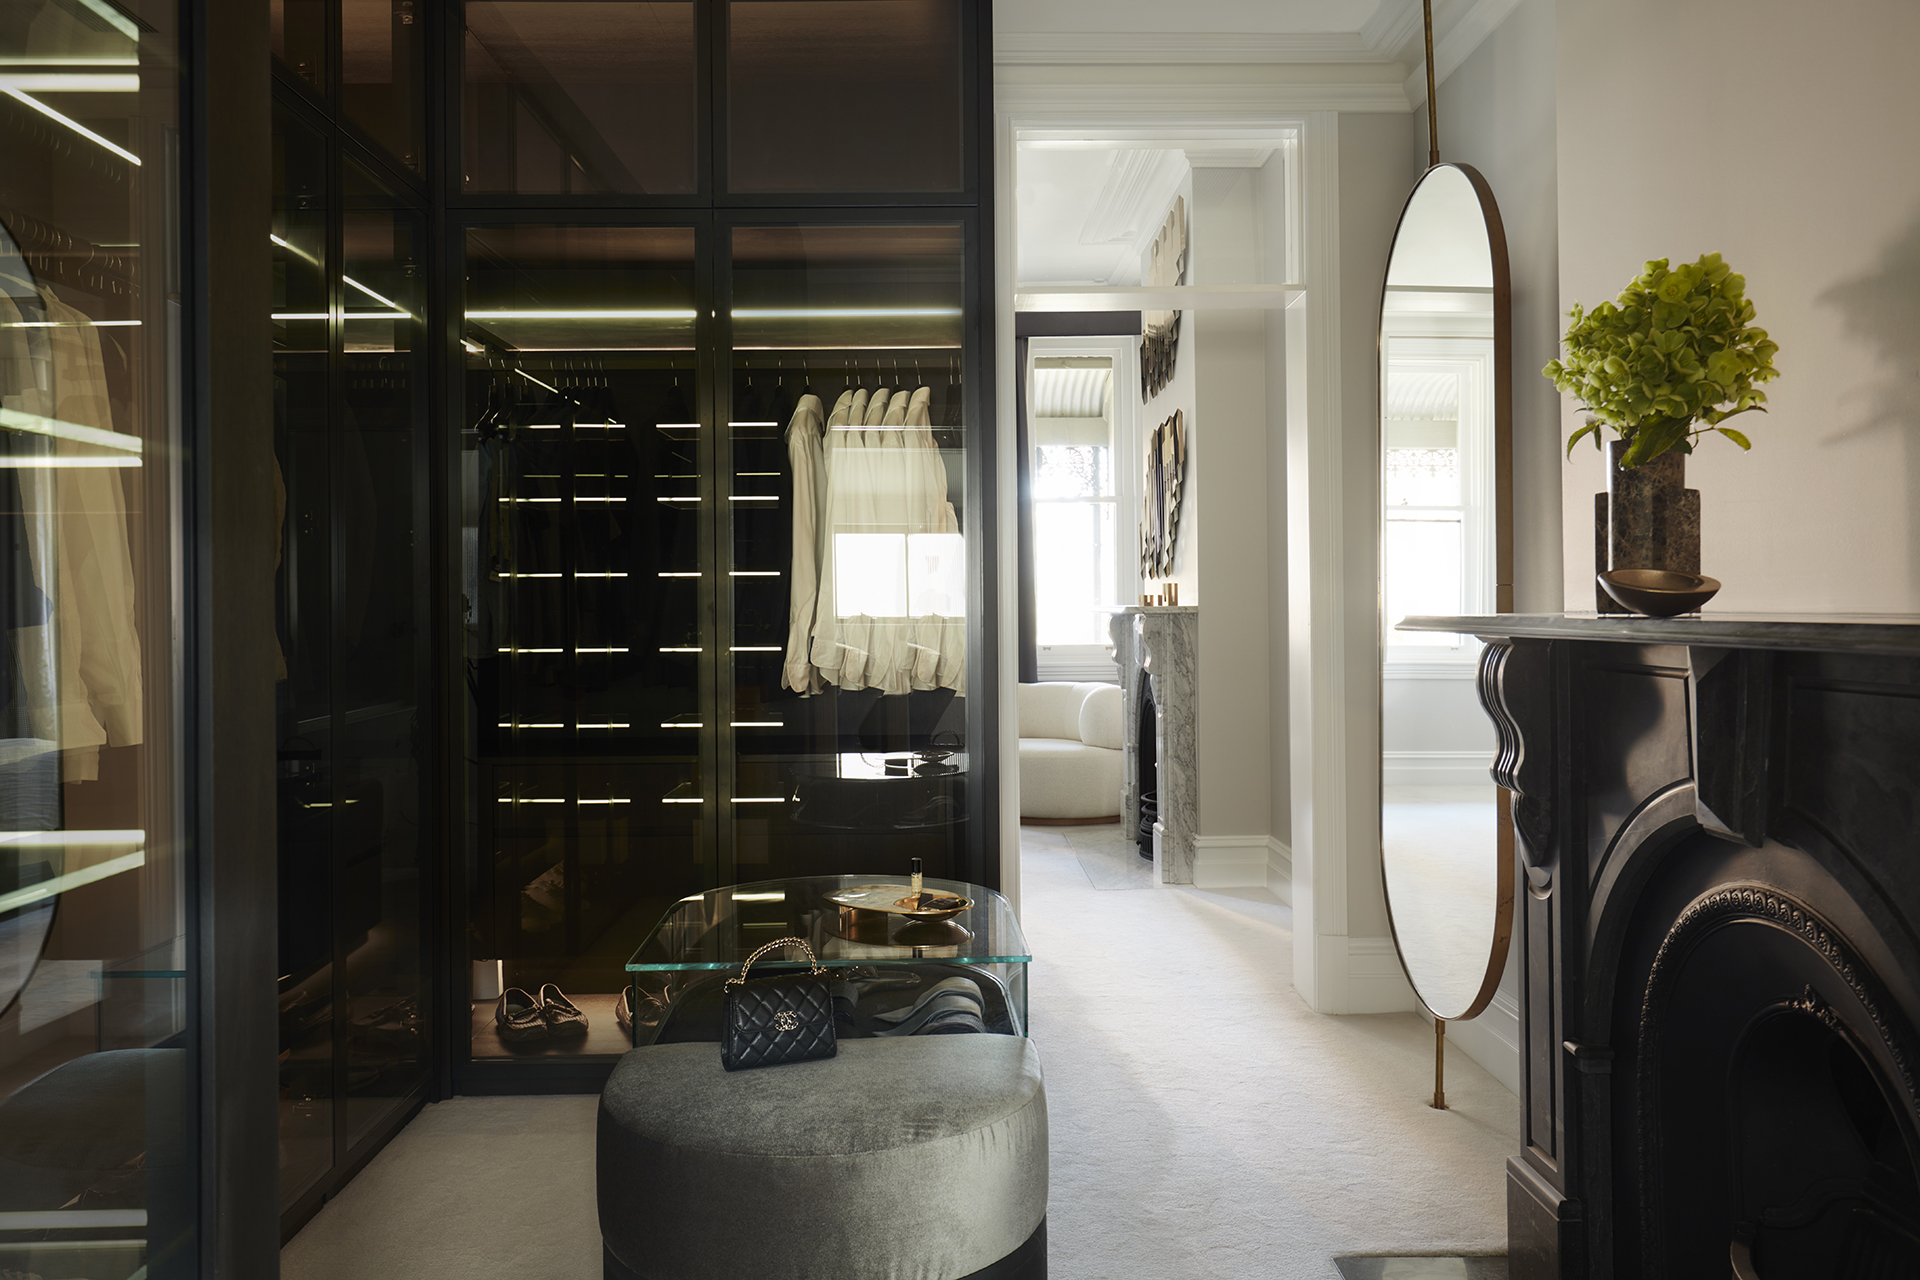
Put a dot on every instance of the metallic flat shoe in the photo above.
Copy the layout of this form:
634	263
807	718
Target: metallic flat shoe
623	1010
563	1018
518	1017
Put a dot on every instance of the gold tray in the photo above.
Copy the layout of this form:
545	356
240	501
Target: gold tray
894	899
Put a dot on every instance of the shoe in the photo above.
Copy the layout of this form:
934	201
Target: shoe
562	1016
518	1017
623	1011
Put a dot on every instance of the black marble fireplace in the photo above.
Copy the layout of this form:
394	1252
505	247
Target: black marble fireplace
1719	883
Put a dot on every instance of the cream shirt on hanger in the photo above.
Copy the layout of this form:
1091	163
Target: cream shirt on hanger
807	457
97	646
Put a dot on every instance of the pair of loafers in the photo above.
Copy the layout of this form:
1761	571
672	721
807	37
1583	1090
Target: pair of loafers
525	1019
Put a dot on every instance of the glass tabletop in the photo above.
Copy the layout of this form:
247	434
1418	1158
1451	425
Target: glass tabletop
719	929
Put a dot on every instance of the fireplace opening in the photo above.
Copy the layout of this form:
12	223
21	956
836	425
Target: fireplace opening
1146	782
1766	1106
1823	1174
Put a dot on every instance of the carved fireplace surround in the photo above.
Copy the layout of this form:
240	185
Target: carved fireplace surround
1161	643
1718	878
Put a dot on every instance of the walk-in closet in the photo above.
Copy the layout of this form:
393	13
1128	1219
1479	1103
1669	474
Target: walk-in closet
630	412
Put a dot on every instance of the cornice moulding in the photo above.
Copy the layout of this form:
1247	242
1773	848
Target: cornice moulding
1109	105
1457	45
1129	48
1121	211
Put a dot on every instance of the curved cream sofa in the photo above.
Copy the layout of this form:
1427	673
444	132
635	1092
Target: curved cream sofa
1070	752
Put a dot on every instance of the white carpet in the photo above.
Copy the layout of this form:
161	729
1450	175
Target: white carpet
1205	1123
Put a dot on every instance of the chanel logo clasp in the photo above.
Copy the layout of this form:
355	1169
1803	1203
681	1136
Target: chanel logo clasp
786	1020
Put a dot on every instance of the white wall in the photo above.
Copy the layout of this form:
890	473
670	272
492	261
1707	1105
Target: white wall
1791	152
1274	200
1229	428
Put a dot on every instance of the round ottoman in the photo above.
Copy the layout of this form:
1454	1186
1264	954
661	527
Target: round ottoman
919	1157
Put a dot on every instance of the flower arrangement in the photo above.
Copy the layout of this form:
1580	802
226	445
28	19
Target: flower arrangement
1669	360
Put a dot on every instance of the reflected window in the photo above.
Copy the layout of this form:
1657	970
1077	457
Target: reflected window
580	97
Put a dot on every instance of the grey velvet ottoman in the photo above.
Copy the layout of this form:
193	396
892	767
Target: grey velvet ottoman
923	1158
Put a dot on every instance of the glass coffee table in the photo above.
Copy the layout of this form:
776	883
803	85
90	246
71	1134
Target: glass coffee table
893	974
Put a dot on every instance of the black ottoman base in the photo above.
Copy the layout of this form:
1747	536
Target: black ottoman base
1028	1262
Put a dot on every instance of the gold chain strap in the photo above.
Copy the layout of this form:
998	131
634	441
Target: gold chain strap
778	942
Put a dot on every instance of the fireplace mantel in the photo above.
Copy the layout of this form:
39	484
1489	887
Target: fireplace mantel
1719	822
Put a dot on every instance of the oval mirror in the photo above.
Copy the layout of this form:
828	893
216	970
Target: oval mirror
1445	548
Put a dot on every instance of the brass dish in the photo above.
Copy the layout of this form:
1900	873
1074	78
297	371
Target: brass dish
1658	593
896	900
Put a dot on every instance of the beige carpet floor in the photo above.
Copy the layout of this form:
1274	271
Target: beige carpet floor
1205	1123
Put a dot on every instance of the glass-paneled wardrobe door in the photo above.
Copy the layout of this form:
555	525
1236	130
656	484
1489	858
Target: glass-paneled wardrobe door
586	491
380	656
845	729
350	451
302	369
98	1165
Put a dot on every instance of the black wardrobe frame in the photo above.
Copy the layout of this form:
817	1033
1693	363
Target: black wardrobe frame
711	215
345	143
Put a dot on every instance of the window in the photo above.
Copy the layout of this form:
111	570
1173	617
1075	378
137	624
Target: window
1077	500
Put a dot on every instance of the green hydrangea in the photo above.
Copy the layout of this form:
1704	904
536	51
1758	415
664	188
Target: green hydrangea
1670	359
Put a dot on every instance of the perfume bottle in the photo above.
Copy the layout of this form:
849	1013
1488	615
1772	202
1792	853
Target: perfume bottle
915	894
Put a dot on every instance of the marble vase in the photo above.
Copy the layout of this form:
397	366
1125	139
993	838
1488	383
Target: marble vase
1646	519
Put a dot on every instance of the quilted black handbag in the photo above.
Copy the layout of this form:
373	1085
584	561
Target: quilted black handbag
773	1021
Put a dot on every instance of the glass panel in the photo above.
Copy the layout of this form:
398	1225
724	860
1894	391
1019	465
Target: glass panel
380	497
847	556
382	73
844	95
573	97
97	1164
300	40
304	618
584	559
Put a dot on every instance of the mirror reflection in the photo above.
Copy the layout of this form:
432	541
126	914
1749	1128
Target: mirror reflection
1440	818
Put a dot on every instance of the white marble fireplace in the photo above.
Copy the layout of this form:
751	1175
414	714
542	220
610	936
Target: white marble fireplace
1162	644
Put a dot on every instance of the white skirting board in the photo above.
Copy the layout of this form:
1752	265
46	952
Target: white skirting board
1279	871
1230	862
1493	1040
1361	975
1435	768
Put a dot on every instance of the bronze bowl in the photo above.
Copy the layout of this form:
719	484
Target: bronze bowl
1658	593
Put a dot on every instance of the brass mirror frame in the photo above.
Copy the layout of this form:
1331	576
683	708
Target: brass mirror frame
1503	567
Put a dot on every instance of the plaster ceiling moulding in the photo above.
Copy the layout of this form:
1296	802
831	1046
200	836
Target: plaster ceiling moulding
1138	187
1228	157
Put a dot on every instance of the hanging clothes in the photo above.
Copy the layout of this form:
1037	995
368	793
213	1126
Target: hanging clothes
890	609
806	455
77	516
